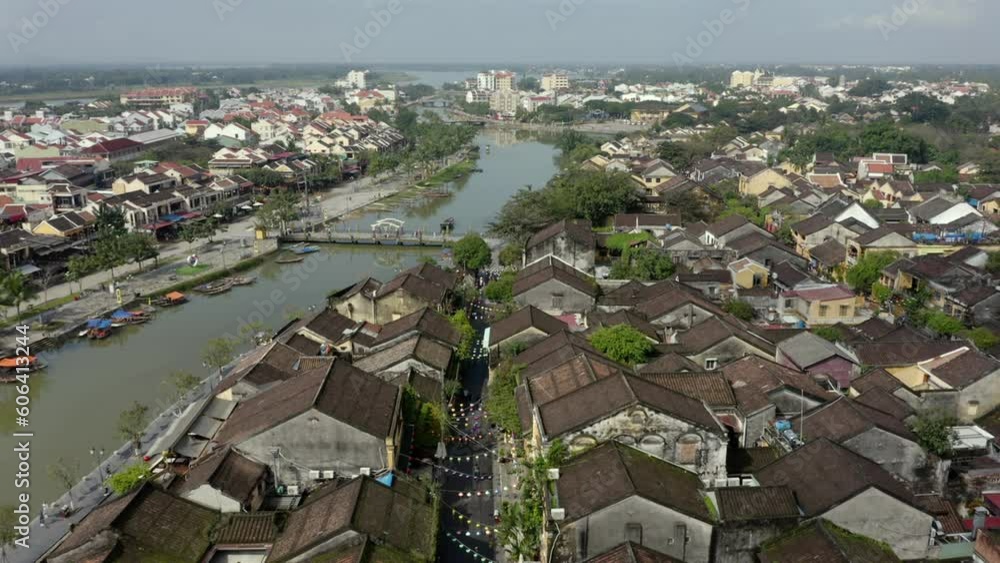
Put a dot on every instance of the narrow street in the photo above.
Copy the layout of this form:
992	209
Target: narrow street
468	523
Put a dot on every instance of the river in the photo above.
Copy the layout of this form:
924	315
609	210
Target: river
77	399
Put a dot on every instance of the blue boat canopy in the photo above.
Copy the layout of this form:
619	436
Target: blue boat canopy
386	479
99	323
121	314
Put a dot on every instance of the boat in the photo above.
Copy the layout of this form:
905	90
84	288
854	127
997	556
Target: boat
122	318
448	224
293	259
242	280
20	364
171	299
98	329
215	287
306	250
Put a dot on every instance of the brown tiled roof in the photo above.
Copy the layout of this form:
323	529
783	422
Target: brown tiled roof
874	328
150	524
631	318
632	553
428	292
671	362
812	225
553	351
434	274
829	254
607	396
303	345
844	419
820	541
364	506
966	369
225	470
330	324
565	378
580	231
670	297
331	391
422	348
884	401
550	268
876	379
750	460
426	321
254	528
714	330
613	472
739	504
886	352
525	318
727	225
712	388
823	474
753	379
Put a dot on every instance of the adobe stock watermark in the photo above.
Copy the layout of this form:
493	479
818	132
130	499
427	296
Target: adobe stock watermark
364	35
565	9
902	13
225	7
31	26
714	28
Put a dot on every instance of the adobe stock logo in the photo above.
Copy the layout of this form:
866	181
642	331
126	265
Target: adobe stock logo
32	25
363	35
714	28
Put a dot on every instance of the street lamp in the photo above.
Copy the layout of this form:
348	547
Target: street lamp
98	455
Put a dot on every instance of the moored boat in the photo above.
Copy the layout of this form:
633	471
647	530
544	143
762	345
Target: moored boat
242	280
293	259
215	287
171	299
306	250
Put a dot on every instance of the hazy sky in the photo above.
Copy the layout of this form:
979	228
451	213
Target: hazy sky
515	31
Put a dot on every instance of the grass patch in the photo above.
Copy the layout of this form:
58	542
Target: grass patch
450	174
191	270
248	264
29	314
621	241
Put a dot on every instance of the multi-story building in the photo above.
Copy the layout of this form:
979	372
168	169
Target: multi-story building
555	82
505	102
477	97
356	79
486	81
159	97
741	79
506	81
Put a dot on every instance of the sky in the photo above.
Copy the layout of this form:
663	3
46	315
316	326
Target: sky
43	32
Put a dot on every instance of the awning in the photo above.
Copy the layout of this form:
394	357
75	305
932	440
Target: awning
28	269
191	215
157	226
172	218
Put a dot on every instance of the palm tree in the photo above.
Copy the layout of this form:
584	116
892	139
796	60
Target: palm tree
18	290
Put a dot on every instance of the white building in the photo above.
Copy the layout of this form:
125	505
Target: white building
486	81
505	102
356	79
477	97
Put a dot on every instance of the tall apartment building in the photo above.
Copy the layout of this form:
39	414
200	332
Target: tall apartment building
486	81
555	82
356	78
158	97
506	81
505	102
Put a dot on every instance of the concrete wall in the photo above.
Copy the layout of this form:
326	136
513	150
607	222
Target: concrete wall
739	543
660	531
683	317
894	453
316	441
656	434
358	308
979	398
565	249
754	425
840	369
728	350
542	297
882	517
212	498
397	304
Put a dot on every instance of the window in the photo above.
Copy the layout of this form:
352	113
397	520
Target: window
557	301
845	310
824	310
633	533
686	452
711	364
789	304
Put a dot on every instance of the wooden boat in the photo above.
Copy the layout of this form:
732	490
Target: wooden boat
242	280
171	299
215	288
290	259
99	333
306	250
17	364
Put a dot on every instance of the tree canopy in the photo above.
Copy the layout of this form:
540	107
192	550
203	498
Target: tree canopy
622	343
868	270
472	253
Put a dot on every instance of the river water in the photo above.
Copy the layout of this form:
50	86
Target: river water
76	401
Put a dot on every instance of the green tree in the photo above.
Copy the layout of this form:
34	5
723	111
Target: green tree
218	352
279	209
7	534
179	383
643	264
510	256
460	322
944	324
881	294
827	333
868	270
622	343
67	474
739	309
132	423
934	432
110	222
126	480
140	246
472	253
79	267
501	403
501	290
982	337
17	290
993	263
870	88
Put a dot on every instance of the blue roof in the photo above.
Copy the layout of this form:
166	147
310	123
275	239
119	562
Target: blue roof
171	218
99	323
121	314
